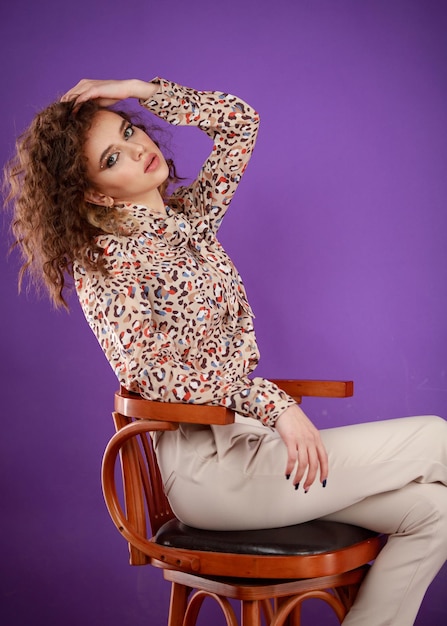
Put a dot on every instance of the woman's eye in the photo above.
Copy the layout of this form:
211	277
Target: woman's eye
112	159
129	131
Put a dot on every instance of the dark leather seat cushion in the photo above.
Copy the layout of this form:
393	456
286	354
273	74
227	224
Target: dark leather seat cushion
309	538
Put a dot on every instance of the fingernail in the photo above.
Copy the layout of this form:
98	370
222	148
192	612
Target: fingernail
287	476
306	490
296	486
324	482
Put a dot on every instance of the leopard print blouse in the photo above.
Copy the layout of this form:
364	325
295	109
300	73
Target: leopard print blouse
171	315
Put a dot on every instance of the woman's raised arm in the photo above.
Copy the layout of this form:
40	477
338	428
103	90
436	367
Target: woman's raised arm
231	123
109	92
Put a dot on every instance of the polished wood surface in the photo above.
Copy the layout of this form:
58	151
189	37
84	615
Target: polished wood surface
133	405
317	388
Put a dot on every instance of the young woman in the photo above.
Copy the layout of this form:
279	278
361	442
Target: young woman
92	199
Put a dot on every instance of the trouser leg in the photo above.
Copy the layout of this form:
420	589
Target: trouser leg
415	518
403	467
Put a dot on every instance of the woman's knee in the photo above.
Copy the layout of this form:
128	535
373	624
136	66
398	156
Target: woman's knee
437	423
434	433
431	504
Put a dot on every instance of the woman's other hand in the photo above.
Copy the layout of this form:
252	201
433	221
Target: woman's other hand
109	92
304	446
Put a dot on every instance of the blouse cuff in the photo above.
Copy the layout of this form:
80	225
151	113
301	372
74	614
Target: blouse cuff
263	400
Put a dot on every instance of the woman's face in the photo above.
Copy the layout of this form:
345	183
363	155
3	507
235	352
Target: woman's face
123	163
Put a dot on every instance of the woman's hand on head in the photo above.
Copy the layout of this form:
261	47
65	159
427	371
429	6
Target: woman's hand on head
304	446
109	92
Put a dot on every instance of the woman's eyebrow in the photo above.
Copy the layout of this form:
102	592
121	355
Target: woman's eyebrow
107	150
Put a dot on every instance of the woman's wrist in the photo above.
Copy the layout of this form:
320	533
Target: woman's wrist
142	90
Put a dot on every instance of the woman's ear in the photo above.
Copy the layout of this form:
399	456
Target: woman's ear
95	197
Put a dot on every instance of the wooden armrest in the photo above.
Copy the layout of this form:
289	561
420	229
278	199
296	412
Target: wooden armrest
132	405
316	388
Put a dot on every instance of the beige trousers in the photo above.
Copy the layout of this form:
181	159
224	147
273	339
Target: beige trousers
389	476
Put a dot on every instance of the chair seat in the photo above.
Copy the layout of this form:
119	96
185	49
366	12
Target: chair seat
309	538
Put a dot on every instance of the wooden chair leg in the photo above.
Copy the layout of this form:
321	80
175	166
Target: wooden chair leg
251	615
267	610
294	617
178	604
347	595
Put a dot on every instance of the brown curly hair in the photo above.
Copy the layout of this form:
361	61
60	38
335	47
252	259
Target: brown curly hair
53	224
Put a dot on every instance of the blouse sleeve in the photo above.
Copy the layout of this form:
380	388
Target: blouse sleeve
147	360
233	126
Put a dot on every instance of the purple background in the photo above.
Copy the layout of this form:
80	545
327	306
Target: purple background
339	230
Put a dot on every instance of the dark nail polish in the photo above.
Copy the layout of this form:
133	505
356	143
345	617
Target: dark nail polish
287	476
324	482
306	490
296	486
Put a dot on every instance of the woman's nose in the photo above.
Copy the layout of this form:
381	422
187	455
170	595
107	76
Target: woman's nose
137	151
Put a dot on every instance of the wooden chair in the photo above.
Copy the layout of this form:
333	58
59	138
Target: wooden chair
270	571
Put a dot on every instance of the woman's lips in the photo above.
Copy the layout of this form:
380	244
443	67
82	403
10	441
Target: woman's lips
152	163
